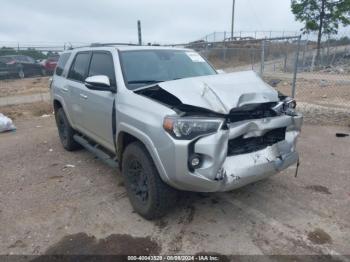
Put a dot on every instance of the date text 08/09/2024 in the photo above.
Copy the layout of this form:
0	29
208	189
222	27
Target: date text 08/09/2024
174	258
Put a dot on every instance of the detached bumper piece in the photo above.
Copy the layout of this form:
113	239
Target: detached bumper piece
256	166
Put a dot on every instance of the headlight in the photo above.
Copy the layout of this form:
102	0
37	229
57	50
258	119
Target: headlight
287	106
188	128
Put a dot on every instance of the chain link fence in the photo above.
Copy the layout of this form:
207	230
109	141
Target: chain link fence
320	83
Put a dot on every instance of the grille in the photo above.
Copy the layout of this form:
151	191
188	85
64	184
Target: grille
252	111
241	145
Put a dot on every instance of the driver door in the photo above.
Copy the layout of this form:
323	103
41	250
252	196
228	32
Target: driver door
97	105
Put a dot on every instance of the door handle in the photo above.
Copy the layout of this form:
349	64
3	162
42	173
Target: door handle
83	96
64	89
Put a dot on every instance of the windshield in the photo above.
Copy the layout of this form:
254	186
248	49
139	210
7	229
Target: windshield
146	67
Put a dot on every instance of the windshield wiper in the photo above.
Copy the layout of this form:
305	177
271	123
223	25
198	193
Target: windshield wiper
145	81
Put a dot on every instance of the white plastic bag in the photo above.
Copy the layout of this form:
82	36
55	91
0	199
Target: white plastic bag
6	124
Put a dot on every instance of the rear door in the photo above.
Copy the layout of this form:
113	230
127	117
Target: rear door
76	88
59	82
98	105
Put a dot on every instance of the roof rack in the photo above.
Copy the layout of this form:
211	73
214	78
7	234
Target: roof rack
102	44
111	44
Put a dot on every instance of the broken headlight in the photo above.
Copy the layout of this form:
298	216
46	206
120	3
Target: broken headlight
287	106
188	128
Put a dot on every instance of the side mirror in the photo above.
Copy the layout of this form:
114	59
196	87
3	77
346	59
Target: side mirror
99	82
220	71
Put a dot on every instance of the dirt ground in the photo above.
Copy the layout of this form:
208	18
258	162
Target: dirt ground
26	86
55	202
27	111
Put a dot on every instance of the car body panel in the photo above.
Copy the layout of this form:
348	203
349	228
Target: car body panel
221	93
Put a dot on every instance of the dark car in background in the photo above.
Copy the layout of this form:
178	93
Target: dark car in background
19	66
50	64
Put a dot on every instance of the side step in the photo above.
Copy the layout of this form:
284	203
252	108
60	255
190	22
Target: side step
102	155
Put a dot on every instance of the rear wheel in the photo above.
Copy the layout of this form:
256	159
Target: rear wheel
65	131
148	194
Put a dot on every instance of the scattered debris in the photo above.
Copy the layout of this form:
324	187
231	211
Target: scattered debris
45	115
18	244
319	189
323	83
69	166
341	135
50	150
319	237
6	124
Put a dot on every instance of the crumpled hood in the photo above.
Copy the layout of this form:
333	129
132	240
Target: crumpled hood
223	92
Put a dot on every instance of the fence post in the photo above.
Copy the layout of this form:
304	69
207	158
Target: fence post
296	67
262	65
304	51
285	58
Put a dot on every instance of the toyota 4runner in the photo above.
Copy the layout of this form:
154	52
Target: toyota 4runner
170	122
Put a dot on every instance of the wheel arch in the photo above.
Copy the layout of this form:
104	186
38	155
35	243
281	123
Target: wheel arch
59	103
127	134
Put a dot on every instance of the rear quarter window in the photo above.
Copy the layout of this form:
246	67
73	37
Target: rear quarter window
62	63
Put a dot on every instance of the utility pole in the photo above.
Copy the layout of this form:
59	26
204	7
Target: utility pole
233	19
139	31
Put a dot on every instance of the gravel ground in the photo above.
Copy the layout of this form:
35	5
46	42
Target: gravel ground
54	202
26	86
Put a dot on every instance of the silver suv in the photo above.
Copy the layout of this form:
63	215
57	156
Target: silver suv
170	122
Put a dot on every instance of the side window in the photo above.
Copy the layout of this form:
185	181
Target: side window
80	66
62	63
102	64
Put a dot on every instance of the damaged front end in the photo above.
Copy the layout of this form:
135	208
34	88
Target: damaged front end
220	149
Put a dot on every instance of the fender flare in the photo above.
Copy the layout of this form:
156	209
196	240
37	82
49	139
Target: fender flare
143	138
64	106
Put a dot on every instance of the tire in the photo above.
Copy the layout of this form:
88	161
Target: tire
20	73
148	194
65	131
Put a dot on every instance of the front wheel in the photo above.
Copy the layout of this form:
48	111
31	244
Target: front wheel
148	194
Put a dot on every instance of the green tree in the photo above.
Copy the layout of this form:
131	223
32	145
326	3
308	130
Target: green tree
322	16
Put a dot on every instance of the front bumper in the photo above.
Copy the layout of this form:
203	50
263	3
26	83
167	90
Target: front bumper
220	172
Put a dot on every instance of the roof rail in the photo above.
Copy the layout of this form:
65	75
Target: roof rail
101	44
111	44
